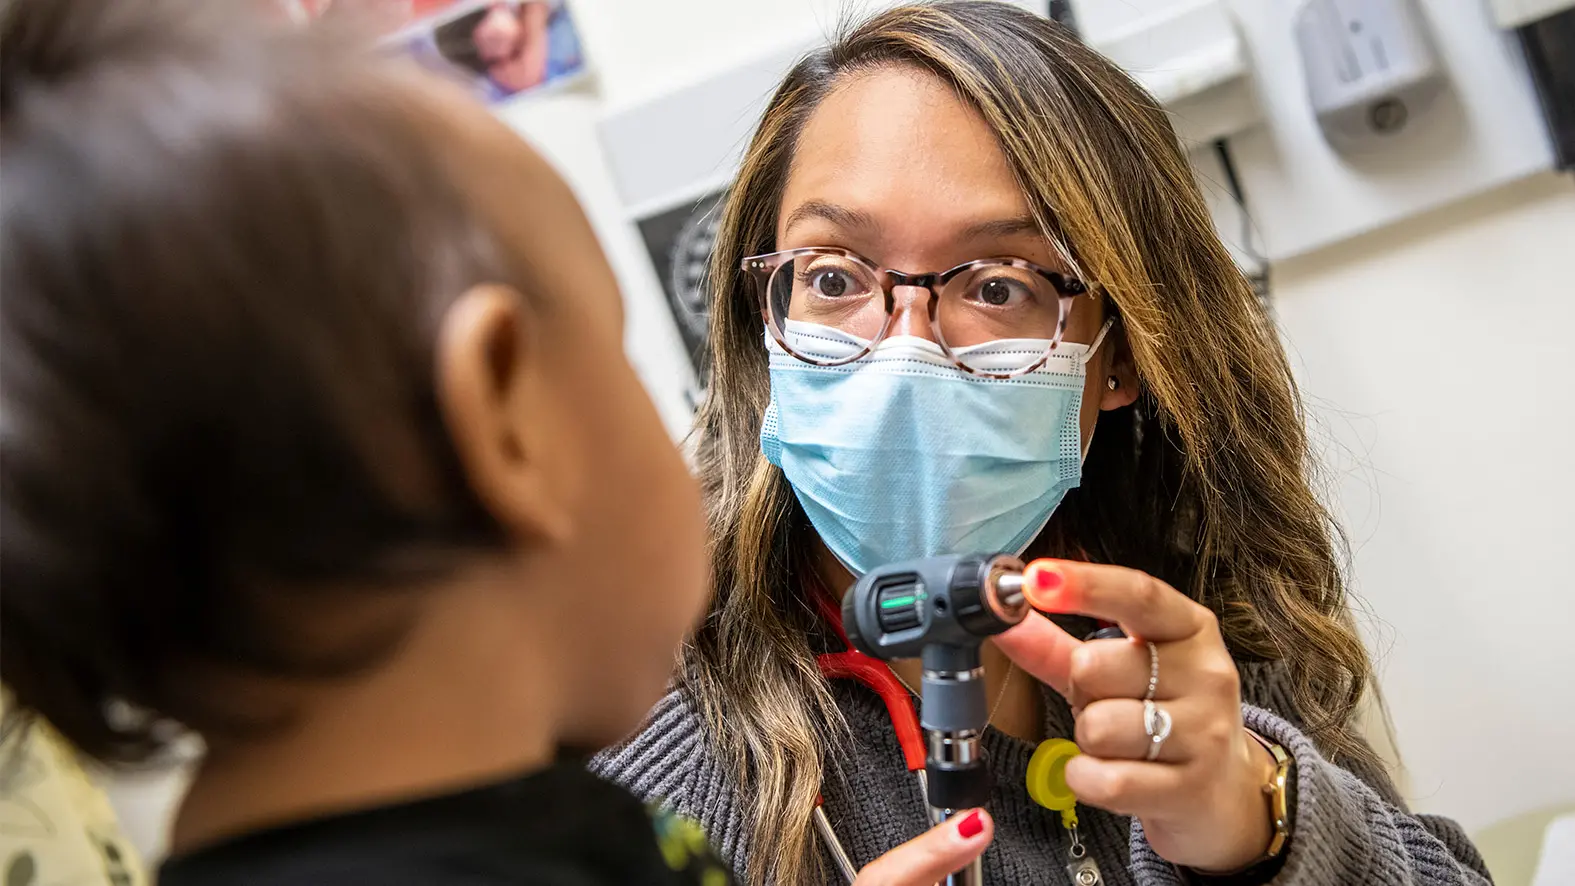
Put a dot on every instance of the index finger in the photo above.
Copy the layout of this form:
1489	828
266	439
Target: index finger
1141	604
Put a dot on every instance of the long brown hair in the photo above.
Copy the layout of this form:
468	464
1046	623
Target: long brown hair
1203	482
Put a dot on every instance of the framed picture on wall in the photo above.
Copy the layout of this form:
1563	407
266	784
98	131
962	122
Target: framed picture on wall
679	242
505	48
502	48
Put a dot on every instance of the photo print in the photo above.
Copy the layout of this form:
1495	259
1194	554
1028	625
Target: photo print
679	242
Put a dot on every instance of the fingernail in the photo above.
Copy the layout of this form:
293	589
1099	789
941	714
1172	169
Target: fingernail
1048	578
1045	580
971	825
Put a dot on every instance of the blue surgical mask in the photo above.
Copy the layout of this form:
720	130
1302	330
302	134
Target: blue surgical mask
902	455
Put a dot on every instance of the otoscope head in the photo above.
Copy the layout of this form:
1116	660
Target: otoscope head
897	610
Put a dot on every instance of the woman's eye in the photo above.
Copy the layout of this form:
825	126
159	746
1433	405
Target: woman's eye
830	282
995	292
1001	292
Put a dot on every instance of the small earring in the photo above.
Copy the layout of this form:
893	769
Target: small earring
1112	383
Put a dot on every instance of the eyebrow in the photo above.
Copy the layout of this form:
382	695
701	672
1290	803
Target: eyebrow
841	216
857	219
1003	227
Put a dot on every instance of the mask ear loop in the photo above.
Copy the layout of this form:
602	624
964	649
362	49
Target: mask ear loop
1083	361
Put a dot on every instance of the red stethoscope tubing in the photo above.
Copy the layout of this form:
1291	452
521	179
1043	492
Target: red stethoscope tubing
851	664
875	674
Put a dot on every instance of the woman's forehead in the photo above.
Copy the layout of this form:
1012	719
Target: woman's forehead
898	148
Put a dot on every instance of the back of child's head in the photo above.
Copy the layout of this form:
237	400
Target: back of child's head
228	247
222	259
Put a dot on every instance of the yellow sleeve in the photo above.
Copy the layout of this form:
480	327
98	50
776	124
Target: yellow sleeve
56	826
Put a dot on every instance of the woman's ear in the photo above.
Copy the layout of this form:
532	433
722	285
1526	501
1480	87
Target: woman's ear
1120	383
492	393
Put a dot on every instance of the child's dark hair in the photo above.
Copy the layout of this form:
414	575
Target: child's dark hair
226	247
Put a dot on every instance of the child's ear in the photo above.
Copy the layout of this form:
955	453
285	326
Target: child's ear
491	389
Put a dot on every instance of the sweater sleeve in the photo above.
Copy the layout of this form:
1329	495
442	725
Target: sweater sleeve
1349	828
670	763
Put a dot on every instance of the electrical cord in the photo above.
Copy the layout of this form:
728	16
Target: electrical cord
1259	276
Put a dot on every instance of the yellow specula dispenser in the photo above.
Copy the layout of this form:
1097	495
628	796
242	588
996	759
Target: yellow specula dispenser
1047	778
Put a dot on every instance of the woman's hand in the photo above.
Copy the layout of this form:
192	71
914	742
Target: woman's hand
928	858
1201	801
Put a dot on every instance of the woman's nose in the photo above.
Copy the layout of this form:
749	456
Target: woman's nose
911	312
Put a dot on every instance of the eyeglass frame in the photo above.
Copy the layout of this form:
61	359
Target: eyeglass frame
763	267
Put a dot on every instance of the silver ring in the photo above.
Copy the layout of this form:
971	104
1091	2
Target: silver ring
1156	722
1153	672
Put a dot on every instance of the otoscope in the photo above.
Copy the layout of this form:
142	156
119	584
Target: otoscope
939	610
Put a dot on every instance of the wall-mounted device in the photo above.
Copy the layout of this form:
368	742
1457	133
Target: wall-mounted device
1370	68
1191	58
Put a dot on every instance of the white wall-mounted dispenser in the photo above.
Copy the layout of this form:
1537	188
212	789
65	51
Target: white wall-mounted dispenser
1370	68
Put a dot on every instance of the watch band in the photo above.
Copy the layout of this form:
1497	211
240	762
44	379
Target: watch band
1267	866
1278	793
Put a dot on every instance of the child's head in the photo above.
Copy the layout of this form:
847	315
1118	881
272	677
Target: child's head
306	364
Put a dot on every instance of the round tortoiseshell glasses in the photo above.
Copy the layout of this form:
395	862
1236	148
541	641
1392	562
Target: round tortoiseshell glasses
974	303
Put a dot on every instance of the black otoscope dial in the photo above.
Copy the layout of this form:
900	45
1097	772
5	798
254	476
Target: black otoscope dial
939	610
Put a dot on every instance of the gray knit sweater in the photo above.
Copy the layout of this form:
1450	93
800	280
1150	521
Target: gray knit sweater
1350	825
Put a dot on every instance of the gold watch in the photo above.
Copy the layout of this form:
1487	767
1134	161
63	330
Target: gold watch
1278	793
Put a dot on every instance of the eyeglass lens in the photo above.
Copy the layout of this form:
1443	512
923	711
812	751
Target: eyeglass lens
982	304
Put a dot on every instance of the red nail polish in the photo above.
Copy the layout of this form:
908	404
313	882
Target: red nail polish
971	825
1048	578
1044	584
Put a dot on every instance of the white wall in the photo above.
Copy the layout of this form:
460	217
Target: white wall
1435	352
1437	361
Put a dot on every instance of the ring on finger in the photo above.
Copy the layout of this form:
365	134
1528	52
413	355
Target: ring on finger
1153	672
1157	723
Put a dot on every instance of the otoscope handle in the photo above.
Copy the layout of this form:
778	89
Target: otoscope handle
952	688
957	786
939	610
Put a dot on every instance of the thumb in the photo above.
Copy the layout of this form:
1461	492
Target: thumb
930	857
